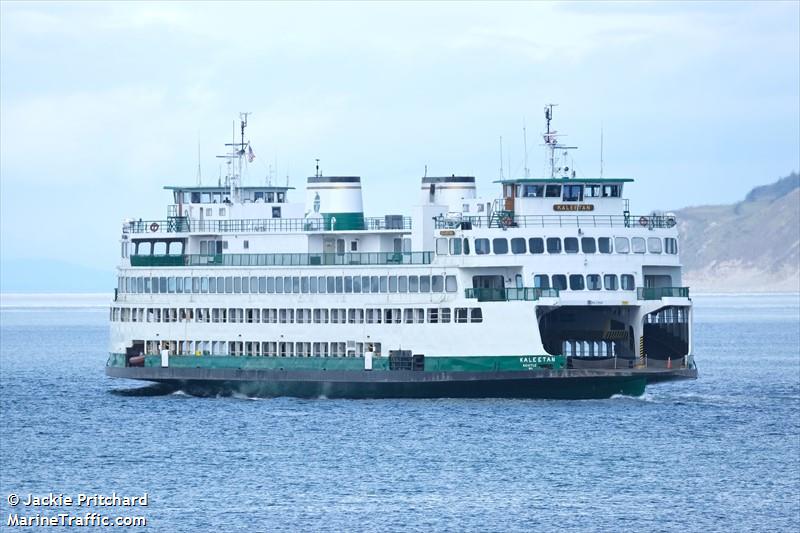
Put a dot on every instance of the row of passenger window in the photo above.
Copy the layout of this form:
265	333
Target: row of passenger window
239	315
592	282
286	284
262	348
556	245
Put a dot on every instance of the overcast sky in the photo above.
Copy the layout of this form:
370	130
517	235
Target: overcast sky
101	104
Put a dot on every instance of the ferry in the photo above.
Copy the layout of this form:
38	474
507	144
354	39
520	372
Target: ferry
551	289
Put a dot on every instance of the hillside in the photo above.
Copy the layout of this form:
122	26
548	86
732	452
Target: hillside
749	246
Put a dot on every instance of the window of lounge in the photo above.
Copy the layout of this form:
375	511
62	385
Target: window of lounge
481	246
622	245
500	246
536	245
559	281
638	245
571	245
576	282
553	245
627	282
541	281
517	245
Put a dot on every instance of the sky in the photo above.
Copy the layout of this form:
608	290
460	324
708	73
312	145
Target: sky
102	104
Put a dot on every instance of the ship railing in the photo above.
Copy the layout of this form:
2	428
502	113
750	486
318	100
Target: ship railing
261	225
285	259
510	294
657	293
510	220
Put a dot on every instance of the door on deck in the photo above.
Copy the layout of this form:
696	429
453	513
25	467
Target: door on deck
509	197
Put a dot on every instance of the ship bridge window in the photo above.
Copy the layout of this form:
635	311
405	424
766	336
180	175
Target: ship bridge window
654	245
500	246
637	245
206	197
553	191
536	245
455	246
481	246
175	248
626	282
553	245
259	196
671	245
622	245
195	198
611	191
281	197
441	246
541	281
144	247
572	193
559	282
576	282
518	245
533	191
592	191
593	282
610	282
588	245
604	244
571	245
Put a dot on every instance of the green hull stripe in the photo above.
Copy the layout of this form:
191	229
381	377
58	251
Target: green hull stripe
432	363
344	221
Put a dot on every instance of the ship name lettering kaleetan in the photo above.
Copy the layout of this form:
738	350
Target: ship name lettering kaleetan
573	207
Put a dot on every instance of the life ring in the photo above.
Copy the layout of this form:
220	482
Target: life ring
643	221
507	221
670	222
154	227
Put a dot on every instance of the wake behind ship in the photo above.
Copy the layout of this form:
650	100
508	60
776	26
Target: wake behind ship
552	290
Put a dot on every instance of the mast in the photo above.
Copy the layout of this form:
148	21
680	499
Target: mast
552	144
501	157
235	156
525	146
199	174
601	149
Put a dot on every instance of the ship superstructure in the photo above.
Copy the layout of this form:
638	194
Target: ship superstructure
552	289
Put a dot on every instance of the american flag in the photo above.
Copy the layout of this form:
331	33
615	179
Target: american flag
250	154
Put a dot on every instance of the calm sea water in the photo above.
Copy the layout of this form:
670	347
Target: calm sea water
718	454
